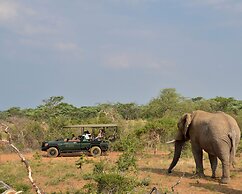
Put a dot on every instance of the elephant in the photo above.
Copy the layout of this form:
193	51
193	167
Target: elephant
217	133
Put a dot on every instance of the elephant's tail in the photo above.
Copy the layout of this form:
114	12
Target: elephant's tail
232	137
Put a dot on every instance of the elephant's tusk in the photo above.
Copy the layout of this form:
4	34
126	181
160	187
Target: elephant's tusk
172	141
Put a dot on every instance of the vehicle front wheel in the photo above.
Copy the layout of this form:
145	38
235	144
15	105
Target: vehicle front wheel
52	152
95	151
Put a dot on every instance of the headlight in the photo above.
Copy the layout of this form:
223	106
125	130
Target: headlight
46	144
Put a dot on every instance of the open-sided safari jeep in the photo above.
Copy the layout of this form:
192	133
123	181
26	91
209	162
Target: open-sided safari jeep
95	142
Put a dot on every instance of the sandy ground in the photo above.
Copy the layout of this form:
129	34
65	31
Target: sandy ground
154	167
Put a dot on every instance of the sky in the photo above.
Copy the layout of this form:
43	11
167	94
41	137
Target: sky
108	51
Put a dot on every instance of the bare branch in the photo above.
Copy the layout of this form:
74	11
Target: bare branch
9	141
154	190
178	182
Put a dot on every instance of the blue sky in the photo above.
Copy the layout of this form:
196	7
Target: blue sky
98	51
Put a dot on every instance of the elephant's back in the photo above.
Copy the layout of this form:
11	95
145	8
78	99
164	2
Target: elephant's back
215	121
216	126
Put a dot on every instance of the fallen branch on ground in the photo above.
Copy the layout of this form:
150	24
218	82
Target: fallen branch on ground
154	190
9	141
178	182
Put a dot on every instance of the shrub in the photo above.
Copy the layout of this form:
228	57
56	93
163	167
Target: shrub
126	161
187	150
99	167
130	145
114	183
239	149
37	156
165	127
81	161
145	182
22	187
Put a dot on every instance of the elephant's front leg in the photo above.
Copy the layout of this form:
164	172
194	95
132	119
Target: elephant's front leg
213	162
198	156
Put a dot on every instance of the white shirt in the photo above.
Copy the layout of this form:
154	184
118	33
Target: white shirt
87	136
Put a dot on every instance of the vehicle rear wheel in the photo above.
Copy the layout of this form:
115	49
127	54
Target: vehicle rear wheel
52	152
95	151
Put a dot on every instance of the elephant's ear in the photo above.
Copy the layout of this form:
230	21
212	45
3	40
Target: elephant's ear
183	126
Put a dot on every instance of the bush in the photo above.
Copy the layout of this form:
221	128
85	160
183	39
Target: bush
165	127
239	149
99	167
22	187
108	180
130	145
114	183
187	150
126	161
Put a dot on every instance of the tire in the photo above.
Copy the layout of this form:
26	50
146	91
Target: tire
52	152
95	151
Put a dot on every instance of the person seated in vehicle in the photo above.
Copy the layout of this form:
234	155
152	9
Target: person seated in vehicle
74	138
87	136
100	135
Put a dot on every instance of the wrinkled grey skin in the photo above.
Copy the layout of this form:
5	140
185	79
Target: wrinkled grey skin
216	133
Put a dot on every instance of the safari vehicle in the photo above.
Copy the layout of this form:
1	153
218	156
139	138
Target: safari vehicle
95	145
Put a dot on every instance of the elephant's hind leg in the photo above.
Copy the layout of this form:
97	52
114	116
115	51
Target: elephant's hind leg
225	168
213	162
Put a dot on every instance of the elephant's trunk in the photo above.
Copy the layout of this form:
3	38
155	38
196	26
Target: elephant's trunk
178	148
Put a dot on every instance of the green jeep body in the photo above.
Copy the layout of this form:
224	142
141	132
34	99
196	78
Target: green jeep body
94	147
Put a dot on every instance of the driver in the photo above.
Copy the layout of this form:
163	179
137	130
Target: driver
87	135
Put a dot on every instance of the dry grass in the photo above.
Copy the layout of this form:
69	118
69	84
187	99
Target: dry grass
60	175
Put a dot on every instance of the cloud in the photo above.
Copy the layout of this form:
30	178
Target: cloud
133	2
8	11
20	18
67	46
232	6
31	29
139	61
135	33
69	51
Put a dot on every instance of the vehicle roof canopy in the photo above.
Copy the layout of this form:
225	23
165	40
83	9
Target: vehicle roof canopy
111	129
91	126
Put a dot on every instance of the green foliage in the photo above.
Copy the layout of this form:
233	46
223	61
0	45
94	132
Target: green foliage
14	111
37	156
89	188
227	105
127	161
203	104
239	149
114	183
22	187
129	111
145	182
108	180
187	151
33	125
167	102
99	167
81	161
165	127
130	145
33	134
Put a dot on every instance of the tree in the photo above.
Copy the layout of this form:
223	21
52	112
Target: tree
168	101
227	104
129	111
